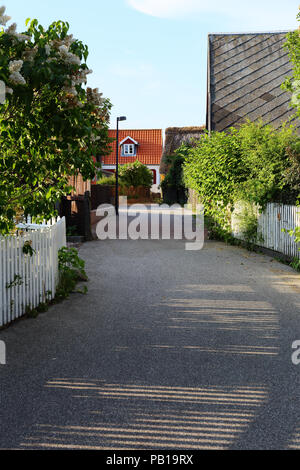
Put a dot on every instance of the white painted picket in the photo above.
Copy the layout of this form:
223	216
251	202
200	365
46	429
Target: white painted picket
26	281
271	223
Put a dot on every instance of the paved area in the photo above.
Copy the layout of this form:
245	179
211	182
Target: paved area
169	350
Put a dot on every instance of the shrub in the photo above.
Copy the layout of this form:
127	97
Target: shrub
213	168
71	270
248	224
107	180
292	84
174	177
252	164
135	174
292	174
266	160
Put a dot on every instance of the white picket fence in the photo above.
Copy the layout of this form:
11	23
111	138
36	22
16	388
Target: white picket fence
26	281
270	224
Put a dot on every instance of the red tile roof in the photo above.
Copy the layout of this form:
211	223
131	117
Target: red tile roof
149	150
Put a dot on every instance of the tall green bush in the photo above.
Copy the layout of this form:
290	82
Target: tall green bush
50	123
250	163
213	168
266	161
174	177
292	84
135	174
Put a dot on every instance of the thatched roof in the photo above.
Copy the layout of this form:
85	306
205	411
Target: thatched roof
174	137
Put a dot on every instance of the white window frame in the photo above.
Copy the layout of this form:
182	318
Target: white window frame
128	150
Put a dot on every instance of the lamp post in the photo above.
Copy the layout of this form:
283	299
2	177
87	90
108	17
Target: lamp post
121	118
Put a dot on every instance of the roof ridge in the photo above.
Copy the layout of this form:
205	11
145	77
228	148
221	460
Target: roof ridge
285	31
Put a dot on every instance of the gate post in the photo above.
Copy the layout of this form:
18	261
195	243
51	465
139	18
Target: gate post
87	216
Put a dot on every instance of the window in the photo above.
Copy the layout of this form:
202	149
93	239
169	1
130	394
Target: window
128	150
129	147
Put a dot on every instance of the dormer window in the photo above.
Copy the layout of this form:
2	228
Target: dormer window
128	150
128	147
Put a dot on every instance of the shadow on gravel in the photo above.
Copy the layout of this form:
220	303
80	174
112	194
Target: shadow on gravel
219	376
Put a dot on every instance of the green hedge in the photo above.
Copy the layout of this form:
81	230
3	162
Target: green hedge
255	163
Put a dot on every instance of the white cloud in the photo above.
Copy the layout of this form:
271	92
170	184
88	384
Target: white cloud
164	8
273	12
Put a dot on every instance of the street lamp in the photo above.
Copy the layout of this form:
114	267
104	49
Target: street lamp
121	118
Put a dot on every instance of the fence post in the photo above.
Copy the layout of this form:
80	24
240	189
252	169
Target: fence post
25	279
87	216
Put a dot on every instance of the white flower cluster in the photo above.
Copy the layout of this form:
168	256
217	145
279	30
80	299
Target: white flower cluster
95	138
15	76
15	65
4	18
94	97
29	54
17	79
47	49
21	37
67	56
62	46
80	77
70	89
67	41
57	49
12	29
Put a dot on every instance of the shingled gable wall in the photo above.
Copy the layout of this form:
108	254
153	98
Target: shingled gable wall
245	72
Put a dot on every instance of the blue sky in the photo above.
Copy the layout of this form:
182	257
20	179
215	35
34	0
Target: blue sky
149	56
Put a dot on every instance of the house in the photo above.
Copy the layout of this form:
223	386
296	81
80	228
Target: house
245	72
145	145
